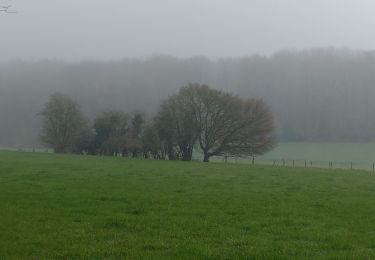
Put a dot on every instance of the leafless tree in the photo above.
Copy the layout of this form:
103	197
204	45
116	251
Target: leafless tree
219	122
63	123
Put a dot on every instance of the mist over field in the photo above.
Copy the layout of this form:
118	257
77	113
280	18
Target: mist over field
315	95
320	88
93	29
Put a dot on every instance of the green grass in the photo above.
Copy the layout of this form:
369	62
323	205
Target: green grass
81	207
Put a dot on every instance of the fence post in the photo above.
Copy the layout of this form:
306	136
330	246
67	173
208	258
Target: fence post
351	165
311	163
293	163
373	167
253	160
283	162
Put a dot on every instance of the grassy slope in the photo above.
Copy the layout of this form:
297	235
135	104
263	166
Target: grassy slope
54	206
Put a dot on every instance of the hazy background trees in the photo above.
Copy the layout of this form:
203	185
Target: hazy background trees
315	95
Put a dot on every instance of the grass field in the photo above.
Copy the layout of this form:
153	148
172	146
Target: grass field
82	207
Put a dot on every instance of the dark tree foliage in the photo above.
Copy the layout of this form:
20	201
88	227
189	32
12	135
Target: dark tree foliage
134	141
151	142
177	126
63	124
118	133
111	130
137	122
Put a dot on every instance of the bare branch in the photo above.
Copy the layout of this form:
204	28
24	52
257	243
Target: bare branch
7	9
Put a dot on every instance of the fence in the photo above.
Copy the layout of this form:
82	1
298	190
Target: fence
349	165
288	162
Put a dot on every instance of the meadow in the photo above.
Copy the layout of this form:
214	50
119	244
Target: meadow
85	207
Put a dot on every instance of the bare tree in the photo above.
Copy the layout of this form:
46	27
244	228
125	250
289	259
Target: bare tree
220	122
63	123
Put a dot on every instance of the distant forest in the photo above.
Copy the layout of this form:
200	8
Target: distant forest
315	95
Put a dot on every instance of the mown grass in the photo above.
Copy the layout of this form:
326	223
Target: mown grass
81	207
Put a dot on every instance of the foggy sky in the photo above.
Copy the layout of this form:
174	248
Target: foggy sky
112	29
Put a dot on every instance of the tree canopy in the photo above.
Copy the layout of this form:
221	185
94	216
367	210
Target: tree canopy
219	122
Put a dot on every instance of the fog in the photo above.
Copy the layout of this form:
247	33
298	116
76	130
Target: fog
315	95
312	61
107	30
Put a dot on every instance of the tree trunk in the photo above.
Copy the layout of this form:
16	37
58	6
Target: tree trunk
206	157
171	155
187	154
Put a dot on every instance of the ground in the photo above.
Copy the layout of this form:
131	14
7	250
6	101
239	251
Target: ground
74	207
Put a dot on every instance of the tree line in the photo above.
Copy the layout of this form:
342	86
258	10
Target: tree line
315	95
197	117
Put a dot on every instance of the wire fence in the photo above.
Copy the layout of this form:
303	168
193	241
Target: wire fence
27	149
329	164
277	162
